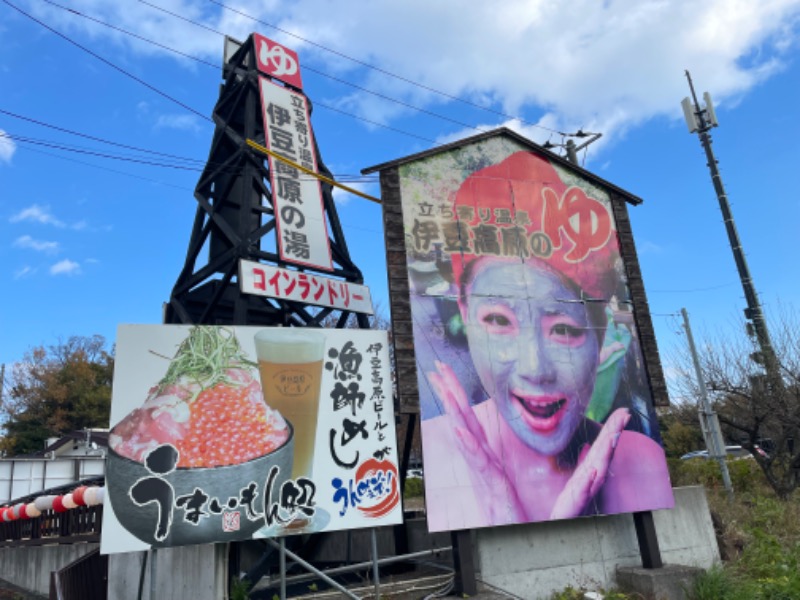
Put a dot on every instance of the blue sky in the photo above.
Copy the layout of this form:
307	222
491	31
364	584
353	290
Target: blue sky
87	243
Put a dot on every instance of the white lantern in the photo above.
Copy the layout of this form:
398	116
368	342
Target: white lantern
90	496
44	503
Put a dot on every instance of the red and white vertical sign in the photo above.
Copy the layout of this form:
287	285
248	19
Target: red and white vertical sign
296	196
277	61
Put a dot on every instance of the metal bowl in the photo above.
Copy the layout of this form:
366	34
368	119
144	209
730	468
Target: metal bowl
195	517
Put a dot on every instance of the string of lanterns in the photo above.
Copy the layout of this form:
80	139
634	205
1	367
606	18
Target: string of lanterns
81	496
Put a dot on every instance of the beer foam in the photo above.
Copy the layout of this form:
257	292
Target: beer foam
287	345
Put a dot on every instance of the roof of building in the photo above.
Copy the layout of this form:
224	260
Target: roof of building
504	131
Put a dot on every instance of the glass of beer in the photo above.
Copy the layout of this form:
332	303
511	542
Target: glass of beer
290	365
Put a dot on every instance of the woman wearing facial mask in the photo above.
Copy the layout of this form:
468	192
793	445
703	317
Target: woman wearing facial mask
536	309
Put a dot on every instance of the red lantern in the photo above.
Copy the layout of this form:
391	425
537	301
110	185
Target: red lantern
77	496
58	504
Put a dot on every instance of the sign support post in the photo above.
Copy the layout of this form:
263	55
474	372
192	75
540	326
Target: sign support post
283	568
648	540
307	566
375	571
463	563
153	569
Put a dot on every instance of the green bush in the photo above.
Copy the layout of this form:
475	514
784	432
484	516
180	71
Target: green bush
694	472
746	475
240	589
413	488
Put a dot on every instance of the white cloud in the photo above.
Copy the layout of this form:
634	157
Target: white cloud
37	214
24	272
599	66
7	147
343	197
649	247
65	267
30	243
182	122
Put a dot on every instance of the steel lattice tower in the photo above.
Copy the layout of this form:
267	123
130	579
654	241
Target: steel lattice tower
235	220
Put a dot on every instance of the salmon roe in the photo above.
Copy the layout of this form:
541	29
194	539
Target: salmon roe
226	428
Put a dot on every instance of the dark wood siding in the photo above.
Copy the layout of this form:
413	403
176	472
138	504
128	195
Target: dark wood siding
399	295
641	309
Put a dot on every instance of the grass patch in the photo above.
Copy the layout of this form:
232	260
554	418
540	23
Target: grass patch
758	534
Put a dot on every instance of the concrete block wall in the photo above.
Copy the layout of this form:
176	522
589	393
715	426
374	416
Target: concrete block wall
183	573
532	561
29	567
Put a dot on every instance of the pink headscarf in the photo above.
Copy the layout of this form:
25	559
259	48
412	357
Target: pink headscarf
520	208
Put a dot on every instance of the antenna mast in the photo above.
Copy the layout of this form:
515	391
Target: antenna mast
700	121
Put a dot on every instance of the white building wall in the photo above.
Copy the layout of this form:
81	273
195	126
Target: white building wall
23	476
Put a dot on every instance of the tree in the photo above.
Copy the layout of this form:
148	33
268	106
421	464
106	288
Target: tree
56	390
755	409
680	429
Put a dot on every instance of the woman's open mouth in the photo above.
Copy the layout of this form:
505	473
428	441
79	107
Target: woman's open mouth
542	413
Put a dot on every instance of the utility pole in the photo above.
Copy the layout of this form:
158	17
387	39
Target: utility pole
571	147
700	121
709	423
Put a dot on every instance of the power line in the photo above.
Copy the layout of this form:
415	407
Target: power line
95	138
130	33
373	67
329	76
82	162
215	66
77	150
389	127
109	63
692	290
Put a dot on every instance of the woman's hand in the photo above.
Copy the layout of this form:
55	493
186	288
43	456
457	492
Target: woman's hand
592	469
503	503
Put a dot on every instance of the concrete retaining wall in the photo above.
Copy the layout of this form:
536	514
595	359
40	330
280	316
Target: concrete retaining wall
29	567
533	561
190	573
185	573
530	561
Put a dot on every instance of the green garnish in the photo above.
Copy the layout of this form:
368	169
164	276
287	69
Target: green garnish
205	355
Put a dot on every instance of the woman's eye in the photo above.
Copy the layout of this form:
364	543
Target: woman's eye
568	334
497	320
568	330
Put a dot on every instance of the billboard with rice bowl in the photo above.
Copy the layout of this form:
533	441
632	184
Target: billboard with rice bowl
231	433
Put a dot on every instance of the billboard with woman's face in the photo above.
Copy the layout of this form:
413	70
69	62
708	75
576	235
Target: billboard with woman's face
533	391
